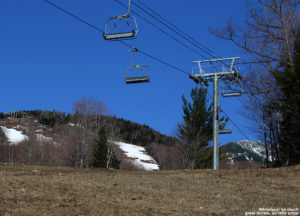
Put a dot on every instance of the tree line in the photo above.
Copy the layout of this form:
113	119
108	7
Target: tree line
80	137
270	37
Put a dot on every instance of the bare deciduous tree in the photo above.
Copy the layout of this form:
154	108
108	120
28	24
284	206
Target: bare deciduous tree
269	30
88	114
268	37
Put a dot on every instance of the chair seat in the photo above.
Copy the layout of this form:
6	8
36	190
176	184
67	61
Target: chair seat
119	35
141	79
225	131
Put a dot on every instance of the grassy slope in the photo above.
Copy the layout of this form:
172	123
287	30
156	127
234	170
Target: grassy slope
69	191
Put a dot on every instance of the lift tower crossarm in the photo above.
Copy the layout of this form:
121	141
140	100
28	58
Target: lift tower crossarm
218	60
220	74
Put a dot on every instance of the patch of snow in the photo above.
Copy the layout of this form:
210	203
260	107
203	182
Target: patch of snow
247	158
41	137
139	156
75	125
39	130
22	128
13	135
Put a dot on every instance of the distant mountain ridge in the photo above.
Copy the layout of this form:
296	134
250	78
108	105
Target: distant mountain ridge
244	152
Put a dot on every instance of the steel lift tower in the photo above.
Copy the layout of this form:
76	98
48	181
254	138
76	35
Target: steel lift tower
215	70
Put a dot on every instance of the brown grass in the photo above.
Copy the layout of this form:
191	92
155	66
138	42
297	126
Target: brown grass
70	191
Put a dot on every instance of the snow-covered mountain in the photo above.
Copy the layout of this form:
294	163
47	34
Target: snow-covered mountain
245	150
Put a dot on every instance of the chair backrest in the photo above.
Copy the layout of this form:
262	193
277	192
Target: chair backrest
137	74
124	27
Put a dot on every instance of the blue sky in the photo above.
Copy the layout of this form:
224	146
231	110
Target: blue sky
49	60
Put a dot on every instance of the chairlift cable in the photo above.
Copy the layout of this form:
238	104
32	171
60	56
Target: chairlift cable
233	123
194	42
144	53
164	62
161	30
121	41
168	24
255	62
211	52
176	29
237	127
124	43
74	16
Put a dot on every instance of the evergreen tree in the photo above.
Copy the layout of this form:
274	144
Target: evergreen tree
100	150
288	80
197	129
2	116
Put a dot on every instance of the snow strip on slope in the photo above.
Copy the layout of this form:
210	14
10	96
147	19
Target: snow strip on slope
13	135
42	138
139	156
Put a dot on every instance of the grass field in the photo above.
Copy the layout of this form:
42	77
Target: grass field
32	190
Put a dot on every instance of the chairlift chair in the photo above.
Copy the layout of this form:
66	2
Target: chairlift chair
121	27
231	94
136	73
224	130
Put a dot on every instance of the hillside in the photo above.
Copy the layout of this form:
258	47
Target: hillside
35	190
125	130
25	136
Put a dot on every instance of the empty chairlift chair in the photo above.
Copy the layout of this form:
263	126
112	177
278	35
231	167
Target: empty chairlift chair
233	79
231	94
136	73
121	27
224	129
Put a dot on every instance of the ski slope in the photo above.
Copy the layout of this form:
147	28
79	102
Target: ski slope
139	156
13	136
